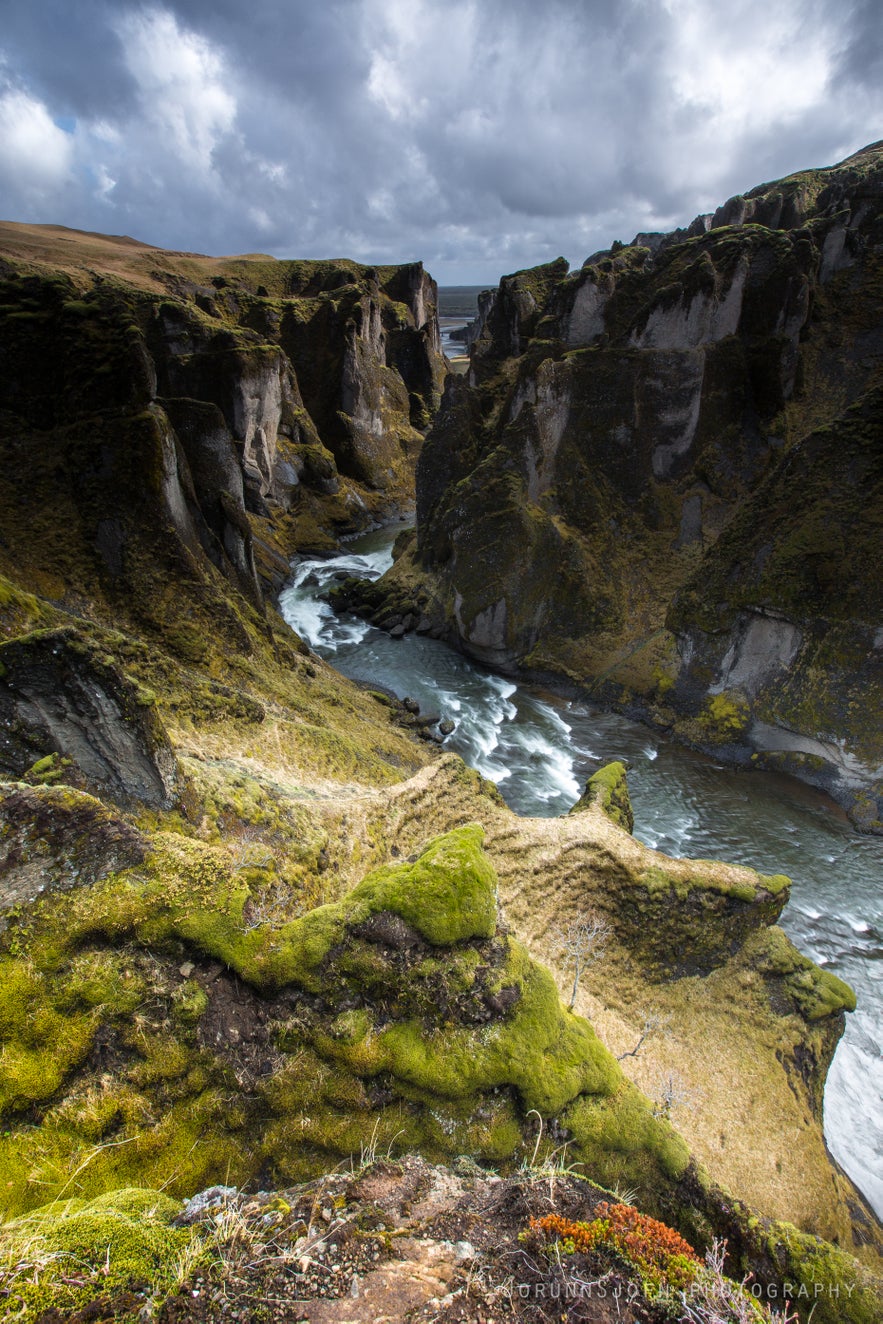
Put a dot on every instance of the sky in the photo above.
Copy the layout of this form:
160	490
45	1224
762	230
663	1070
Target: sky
479	136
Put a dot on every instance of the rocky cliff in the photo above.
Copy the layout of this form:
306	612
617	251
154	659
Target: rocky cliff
250	928
293	393
661	481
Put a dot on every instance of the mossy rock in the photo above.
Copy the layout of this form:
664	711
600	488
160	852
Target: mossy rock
400	1011
62	1256
608	790
825	1283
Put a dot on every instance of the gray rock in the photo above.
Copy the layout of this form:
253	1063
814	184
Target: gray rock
58	695
215	1197
54	839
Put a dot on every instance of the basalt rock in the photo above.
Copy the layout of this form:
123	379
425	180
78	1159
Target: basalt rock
204	428
660	481
63	707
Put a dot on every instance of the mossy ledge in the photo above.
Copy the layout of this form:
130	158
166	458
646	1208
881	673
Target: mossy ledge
401	1011
154	1037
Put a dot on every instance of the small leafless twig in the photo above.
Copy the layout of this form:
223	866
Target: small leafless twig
653	1025
715	1299
582	941
271	907
674	1093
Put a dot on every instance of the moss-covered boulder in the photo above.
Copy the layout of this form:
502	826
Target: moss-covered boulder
608	790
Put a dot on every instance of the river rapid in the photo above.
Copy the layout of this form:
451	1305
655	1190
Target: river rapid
540	749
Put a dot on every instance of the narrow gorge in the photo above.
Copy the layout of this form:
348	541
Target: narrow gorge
253	929
660	483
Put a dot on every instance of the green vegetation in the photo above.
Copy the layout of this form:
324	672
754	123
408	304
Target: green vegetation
465	1029
64	1255
608	789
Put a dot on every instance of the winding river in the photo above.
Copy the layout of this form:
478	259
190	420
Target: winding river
540	749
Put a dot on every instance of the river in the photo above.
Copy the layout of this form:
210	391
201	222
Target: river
540	748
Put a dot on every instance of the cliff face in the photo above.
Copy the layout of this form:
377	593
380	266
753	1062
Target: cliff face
272	403
661	480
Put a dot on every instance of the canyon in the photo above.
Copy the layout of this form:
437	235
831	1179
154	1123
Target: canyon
252	927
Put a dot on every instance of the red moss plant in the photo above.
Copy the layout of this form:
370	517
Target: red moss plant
660	1255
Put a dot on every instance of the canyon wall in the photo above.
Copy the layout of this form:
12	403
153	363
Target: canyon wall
661	482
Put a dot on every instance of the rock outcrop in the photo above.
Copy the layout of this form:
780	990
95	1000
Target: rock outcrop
661	481
65	711
608	790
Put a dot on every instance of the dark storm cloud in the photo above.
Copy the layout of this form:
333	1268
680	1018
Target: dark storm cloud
68	54
479	135
862	56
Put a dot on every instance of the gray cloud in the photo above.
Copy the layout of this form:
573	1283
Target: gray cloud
479	135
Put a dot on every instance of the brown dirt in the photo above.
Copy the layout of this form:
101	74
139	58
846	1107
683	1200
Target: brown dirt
402	1241
82	254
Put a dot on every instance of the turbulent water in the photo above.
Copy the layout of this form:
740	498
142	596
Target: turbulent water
540	749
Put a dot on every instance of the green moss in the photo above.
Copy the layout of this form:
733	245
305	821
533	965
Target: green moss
40	1045
608	789
461	1031
99	978
618	1138
49	770
448	895
546	1054
190	1002
822	1279
815	993
64	1255
724	717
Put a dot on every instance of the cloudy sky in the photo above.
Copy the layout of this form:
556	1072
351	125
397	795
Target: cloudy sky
478	135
